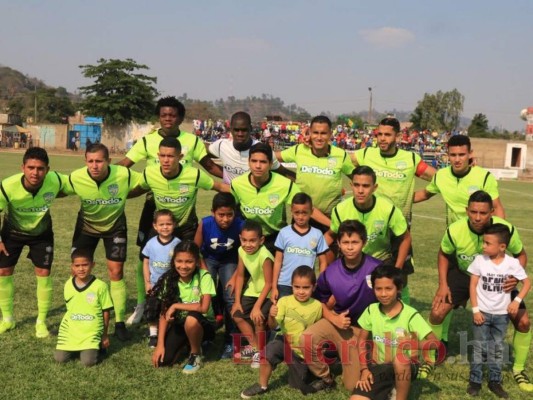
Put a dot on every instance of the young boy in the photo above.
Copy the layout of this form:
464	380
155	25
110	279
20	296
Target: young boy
297	244
251	310
218	238
391	323
156	261
491	307
293	314
84	326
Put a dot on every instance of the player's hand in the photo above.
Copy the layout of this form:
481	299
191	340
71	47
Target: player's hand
147	286
366	381
479	319
342	320
169	315
513	308
105	341
230	286
274	310
236	307
159	354
274	293
257	316
443	295
509	284
3	249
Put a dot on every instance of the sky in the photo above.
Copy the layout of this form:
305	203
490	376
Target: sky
321	55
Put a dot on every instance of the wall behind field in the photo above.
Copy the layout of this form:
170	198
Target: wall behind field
490	153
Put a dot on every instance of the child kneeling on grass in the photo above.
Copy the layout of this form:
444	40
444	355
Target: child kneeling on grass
396	330
186	313
83	329
293	314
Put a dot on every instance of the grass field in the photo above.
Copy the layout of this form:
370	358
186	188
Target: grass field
29	370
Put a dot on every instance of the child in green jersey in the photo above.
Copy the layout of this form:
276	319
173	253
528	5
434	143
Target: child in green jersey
397	334
83	329
186	313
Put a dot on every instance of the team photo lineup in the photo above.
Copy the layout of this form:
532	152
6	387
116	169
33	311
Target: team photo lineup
323	288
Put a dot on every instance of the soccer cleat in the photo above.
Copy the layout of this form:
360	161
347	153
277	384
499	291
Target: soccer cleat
256	360
473	388
193	364
7	326
523	381
425	371
227	353
137	315
497	389
326	384
41	331
152	342
254	390
247	352
121	332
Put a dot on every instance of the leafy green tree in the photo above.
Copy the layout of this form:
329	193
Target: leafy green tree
53	105
120	93
440	111
478	126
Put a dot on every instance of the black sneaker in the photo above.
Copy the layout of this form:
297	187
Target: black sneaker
152	342
254	390
473	388
497	389
121	332
324	384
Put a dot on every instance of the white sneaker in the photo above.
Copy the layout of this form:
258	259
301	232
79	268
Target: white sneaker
256	360
137	315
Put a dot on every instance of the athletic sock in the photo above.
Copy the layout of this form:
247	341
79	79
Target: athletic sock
153	330
521	342
118	295
141	290
44	296
406	299
7	291
446	326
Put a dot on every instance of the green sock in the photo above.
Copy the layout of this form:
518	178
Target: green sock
405	295
521	342
118	295
446	326
44	296
7	291
141	291
437	330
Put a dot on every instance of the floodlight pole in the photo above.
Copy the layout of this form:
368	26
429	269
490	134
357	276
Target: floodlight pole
370	117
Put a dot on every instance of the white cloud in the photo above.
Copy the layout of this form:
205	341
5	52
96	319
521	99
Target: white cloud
388	36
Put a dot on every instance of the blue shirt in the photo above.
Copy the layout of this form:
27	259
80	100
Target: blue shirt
221	244
159	255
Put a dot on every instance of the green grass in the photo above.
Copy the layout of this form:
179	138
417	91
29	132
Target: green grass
30	372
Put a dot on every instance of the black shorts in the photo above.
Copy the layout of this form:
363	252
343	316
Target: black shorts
115	243
146	221
248	304
384	381
459	284
41	247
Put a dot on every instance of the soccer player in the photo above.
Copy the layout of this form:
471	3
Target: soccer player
462	241
171	113
319	167
458	181
84	326
233	152
103	190
26	198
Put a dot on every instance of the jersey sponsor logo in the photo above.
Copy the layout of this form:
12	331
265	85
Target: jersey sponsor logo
228	245
273	199
473	188
119	240
398	175
33	209
113	189
48	197
234	170
385	340
82	317
298	250
161	264
173	200
258	210
103	202
316	170
401	165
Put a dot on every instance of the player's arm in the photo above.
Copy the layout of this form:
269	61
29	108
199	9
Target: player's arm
498	208
198	240
278	262
146	274
256	315
239	282
443	292
322	262
202	307
221	187
341	320
2	245
320	217
422	195
105	338
513	307
159	352
287	173
478	316
427	173
210	166
403	249
278	156
126	162
272	322
366	379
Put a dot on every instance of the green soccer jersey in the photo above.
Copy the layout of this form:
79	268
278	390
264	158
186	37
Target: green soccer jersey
294	317
464	244
320	177
192	148
102	203
192	291
83	324
254	265
395	175
266	204
177	194
382	221
28	213
456	190
387	332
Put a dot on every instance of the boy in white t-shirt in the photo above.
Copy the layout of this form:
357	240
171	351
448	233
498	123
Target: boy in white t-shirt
491	307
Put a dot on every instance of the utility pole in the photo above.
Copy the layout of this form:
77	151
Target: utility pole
370	116
35	105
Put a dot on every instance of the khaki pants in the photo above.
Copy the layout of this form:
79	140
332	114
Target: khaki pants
323	333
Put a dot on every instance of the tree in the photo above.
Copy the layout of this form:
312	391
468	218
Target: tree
440	111
53	105
120	94
479	125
